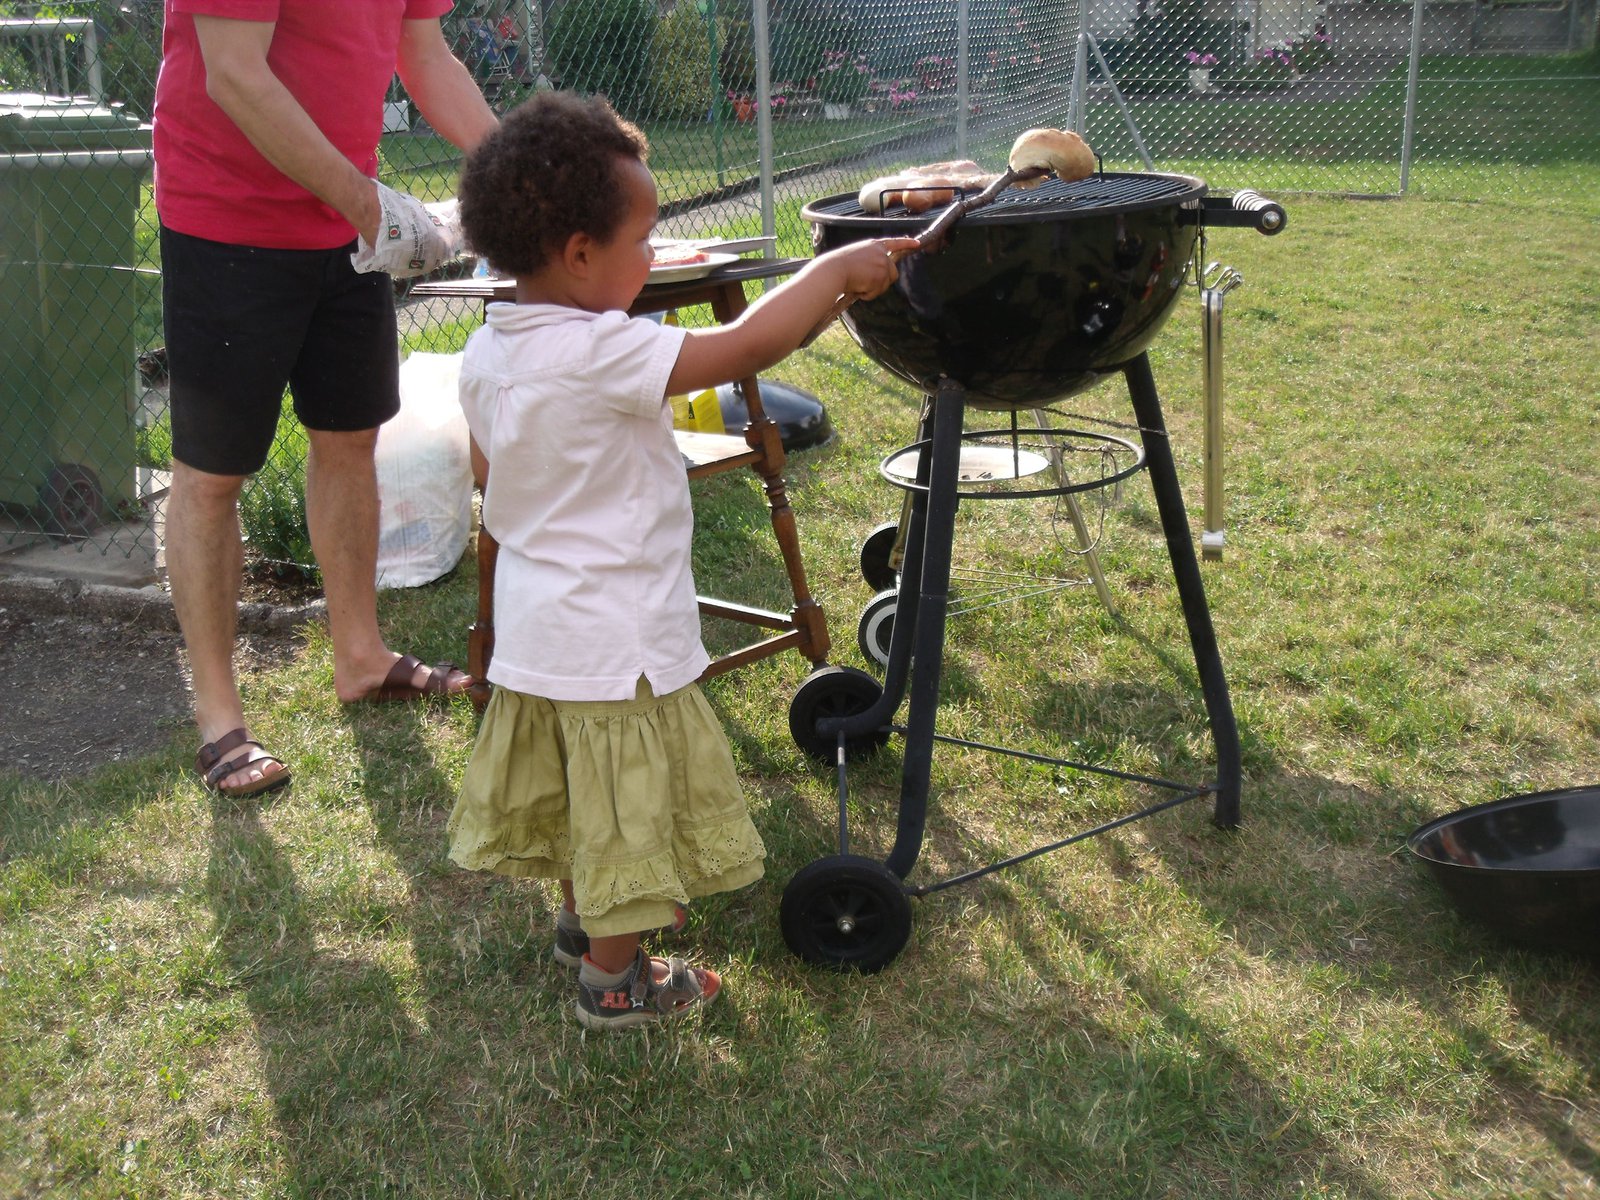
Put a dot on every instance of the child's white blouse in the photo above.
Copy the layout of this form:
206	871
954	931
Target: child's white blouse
588	499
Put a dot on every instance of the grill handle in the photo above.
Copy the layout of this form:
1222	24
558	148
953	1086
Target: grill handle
1242	210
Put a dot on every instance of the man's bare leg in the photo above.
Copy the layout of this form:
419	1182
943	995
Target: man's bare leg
205	559
342	512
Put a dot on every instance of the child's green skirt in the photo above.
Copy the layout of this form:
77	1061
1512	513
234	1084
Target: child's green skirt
636	801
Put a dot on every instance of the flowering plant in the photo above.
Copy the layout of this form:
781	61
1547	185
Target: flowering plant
1313	51
1016	63
936	72
1276	58
899	95
1195	59
843	77
1271	67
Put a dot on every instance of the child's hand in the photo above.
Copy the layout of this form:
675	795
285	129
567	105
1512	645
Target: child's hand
871	267
790	316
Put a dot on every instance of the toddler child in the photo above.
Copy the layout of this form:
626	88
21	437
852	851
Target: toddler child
599	762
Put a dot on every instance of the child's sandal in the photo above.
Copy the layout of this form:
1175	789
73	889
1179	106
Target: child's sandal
572	943
636	998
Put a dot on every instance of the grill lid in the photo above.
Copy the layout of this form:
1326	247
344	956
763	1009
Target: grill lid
1053	200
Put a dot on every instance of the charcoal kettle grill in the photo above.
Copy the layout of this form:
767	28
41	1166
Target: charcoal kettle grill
1034	298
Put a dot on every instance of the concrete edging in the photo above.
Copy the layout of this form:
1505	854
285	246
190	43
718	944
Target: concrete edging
145	606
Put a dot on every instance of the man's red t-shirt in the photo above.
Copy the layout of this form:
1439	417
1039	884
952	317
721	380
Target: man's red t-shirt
336	59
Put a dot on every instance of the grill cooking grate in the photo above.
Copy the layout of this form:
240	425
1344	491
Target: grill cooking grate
1052	200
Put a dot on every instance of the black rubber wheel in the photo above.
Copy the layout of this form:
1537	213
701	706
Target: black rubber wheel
834	692
876	553
876	626
846	912
71	501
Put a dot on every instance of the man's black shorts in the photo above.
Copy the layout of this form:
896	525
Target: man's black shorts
243	323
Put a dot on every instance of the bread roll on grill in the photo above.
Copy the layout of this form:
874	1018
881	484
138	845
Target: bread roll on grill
1057	150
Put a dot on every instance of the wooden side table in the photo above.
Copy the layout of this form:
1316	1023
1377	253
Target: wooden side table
760	449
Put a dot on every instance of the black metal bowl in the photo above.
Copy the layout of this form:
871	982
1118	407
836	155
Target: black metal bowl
1527	866
1035	297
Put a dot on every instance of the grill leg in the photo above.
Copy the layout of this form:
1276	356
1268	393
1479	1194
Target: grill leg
917	644
913	536
933	600
1191	590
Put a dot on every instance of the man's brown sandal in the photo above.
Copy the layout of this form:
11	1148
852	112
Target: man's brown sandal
214	769
636	998
443	680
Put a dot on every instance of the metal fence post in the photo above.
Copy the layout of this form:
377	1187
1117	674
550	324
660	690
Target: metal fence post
761	30
1080	71
963	74
1412	71
713	63
532	37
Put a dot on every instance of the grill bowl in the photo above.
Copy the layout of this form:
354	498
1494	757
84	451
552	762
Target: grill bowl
1527	867
1036	296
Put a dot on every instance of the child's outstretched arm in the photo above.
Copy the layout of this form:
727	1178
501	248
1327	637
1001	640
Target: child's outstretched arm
774	326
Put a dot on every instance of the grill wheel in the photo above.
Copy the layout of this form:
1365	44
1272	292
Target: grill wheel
876	627
877	556
847	913
834	692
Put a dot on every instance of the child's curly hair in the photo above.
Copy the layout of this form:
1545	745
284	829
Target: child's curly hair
548	172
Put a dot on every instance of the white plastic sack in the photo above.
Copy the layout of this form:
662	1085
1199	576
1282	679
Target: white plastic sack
424	476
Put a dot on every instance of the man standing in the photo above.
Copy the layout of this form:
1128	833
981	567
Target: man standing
267	119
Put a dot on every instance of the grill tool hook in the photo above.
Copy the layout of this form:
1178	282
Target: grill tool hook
1216	281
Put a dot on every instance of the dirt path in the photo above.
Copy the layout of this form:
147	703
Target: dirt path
88	683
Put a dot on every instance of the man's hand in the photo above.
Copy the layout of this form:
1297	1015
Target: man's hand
413	238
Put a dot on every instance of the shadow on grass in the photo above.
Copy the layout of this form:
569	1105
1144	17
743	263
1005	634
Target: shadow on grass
1346	903
1324	923
1155	1098
1295	885
365	1090
327	1029
1188	1081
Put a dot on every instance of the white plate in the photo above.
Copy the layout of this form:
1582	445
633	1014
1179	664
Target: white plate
692	270
979	464
731	245
737	245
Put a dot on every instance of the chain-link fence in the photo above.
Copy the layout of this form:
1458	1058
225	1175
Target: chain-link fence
752	109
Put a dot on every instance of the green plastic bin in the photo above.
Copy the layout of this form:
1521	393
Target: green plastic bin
71	176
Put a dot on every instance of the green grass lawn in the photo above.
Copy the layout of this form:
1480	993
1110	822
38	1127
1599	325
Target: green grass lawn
1482	125
300	997
692	159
